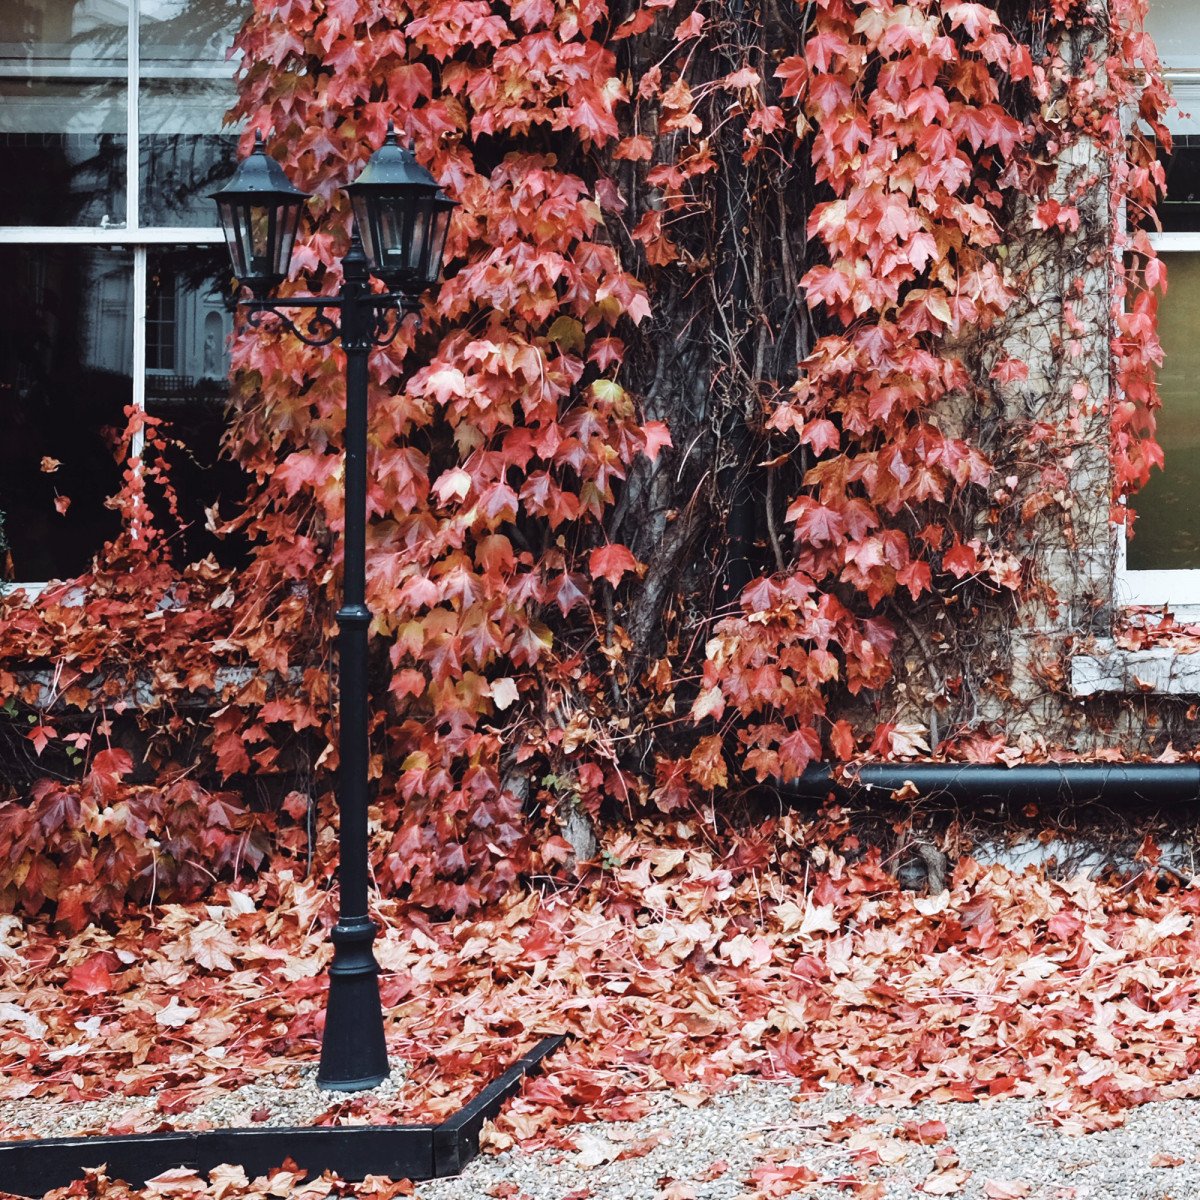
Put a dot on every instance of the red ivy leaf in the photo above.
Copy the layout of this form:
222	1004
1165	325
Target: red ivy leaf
92	977
611	562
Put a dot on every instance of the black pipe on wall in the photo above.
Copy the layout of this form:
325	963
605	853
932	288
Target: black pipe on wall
1070	783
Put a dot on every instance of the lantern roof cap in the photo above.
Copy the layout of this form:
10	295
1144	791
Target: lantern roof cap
393	167
259	178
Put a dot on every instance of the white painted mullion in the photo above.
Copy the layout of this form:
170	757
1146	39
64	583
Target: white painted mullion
140	292
133	157
93	235
1176	242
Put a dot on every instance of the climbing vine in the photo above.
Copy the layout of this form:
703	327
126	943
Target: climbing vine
701	401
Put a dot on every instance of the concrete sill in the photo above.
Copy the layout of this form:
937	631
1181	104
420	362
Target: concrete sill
1158	671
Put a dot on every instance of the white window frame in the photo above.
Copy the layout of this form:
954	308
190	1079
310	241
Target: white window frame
1177	590
131	235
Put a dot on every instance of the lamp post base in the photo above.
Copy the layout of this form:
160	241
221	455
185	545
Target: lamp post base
353	1050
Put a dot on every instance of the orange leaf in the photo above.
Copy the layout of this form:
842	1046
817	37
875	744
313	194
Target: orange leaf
92	977
611	562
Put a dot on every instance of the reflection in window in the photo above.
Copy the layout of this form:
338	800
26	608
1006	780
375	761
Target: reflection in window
1167	531
161	289
63	70
66	352
184	153
64	83
187	363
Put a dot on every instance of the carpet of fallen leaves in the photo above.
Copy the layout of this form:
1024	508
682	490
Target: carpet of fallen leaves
674	966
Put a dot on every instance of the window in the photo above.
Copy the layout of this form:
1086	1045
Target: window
111	138
1162	558
160	320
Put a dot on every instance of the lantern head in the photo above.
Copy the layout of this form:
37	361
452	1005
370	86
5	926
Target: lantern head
259	211
402	217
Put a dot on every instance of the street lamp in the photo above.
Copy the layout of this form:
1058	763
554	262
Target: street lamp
401	221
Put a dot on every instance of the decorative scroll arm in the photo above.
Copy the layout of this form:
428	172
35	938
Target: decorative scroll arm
389	314
320	329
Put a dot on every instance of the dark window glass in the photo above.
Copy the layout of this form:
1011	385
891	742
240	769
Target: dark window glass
185	151
187	314
63	83
1179	212
66	351
162	288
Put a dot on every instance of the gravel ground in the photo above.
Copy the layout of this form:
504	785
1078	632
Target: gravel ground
745	1142
289	1097
999	1150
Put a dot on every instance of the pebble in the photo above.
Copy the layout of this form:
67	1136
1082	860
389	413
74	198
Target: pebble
287	1097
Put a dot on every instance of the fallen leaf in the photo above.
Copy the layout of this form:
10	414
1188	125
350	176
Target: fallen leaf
1163	1159
714	1170
925	1132
92	977
175	1015
677	1190
178	1181
594	1151
944	1183
227	1180
33	1025
1005	1189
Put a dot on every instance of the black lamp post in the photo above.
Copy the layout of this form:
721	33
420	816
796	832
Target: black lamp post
402	219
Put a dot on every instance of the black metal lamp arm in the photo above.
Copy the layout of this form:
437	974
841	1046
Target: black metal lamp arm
387	310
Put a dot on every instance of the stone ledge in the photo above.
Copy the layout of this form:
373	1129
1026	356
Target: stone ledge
1157	671
148	693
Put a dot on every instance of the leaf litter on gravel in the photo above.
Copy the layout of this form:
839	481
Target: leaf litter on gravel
674	972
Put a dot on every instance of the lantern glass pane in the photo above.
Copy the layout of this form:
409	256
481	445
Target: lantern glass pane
391	233
233	225
419	249
362	226
262	225
396	234
287	220
437	242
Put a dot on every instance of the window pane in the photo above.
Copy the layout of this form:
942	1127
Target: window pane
63	80
1167	531
1175	26
187	365
185	151
66	350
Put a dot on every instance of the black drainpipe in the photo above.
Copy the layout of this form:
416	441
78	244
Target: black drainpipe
1069	783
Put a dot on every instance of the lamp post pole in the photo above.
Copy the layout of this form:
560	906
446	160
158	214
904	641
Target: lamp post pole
353	1051
403	218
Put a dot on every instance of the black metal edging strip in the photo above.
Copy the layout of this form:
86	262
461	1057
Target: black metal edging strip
456	1139
32	1167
